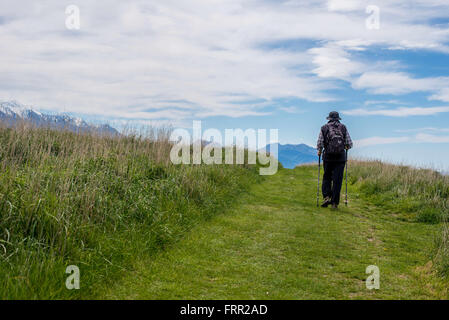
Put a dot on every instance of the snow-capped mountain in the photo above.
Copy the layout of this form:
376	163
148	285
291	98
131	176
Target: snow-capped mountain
12	111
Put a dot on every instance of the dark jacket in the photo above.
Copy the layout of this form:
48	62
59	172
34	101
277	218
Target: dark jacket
322	143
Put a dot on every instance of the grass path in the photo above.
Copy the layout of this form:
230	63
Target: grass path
276	244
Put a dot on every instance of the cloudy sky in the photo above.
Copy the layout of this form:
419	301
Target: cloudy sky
241	64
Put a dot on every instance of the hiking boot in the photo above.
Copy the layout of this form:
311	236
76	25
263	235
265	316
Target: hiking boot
334	206
327	201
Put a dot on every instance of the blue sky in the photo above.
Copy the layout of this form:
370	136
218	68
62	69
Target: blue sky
241	64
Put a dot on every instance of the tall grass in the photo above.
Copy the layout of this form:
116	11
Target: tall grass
419	195
98	202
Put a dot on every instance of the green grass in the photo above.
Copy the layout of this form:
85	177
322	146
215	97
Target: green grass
275	244
420	195
139	227
100	203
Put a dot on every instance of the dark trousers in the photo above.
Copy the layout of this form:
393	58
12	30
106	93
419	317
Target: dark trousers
332	180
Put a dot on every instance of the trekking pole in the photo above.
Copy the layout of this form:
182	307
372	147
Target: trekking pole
346	196
318	188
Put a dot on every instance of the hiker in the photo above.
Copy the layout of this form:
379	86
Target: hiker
334	139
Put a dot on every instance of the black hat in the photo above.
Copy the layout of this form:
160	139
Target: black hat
333	116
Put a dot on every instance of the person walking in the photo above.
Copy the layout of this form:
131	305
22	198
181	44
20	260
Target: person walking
333	142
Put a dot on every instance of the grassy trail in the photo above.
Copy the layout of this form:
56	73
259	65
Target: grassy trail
275	244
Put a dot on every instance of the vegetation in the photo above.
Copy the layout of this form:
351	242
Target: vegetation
139	227
418	195
98	202
276	244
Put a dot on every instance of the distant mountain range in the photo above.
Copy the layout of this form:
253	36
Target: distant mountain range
291	155
11	112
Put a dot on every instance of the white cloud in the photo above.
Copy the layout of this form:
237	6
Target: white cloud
333	61
291	109
371	102
430	138
432	129
418	138
379	141
344	5
442	95
398	83
398	112
173	59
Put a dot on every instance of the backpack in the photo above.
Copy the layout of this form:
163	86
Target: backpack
334	137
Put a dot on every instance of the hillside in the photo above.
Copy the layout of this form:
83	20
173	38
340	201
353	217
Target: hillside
139	227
